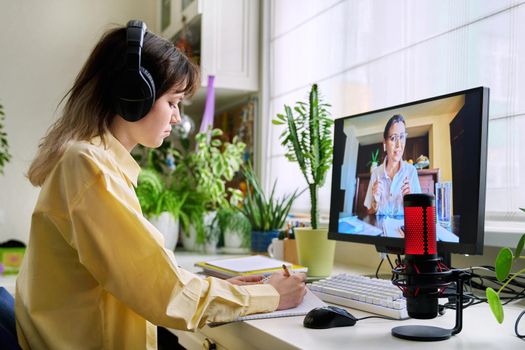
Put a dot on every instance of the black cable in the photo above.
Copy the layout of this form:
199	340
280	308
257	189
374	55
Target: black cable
378	267
384	318
390	262
518	334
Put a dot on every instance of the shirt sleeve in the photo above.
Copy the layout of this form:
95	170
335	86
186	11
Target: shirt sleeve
415	186
125	254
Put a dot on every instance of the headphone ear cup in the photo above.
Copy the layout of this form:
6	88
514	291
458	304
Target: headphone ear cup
148	101
135	94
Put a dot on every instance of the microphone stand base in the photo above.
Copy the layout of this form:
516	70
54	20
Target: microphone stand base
430	333
421	333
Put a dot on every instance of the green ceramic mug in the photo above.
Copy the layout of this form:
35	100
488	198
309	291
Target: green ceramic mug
315	250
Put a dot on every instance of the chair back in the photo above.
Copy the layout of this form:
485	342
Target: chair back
8	338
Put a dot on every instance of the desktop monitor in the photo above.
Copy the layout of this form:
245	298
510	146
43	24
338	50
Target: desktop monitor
438	146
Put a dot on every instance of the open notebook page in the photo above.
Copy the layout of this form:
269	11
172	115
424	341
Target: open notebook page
310	302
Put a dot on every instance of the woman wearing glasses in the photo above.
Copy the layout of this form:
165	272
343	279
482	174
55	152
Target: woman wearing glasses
390	181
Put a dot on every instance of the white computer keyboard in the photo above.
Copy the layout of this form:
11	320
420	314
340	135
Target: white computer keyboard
364	293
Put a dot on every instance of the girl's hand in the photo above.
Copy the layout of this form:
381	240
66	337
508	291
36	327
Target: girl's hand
291	289
377	191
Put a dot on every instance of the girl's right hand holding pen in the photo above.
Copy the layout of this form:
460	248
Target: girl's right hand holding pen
291	289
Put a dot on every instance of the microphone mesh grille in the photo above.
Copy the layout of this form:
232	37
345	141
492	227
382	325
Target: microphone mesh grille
420	230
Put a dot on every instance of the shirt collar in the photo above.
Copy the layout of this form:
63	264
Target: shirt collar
402	167
125	161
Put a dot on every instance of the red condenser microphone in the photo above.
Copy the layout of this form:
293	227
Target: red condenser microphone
422	264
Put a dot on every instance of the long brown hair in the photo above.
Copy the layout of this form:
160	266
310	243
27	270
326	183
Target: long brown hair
89	107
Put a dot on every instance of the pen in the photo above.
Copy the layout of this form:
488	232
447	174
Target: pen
286	272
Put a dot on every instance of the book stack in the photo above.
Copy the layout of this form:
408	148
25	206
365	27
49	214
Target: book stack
246	266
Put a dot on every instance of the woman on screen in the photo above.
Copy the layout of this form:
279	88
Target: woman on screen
390	181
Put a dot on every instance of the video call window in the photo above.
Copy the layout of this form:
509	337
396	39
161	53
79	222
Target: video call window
413	149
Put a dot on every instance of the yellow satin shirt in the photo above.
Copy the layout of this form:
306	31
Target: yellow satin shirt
95	274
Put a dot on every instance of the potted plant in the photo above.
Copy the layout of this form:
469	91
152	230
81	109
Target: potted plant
204	173
374	161
5	157
235	228
160	204
503	267
308	141
266	215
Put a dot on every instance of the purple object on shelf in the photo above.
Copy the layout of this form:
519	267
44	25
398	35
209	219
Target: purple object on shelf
209	108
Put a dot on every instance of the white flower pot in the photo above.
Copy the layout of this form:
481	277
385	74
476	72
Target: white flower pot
210	247
233	239
189	240
373	165
169	227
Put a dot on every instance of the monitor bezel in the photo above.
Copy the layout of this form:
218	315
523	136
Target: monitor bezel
397	244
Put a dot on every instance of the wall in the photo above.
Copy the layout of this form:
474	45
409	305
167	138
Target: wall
367	55
43	45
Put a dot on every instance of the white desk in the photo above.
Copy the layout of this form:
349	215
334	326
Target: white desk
480	330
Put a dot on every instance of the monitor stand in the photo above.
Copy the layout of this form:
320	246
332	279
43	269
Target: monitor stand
445	257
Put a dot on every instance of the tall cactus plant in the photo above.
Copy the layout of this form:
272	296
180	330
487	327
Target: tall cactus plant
308	141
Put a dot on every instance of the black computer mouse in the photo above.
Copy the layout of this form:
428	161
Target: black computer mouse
328	317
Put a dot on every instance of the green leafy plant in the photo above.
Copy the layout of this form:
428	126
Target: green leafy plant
202	175
209	168
374	158
155	197
503	266
265	214
193	211
5	157
308	141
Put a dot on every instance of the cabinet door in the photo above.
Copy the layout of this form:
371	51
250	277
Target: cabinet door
229	46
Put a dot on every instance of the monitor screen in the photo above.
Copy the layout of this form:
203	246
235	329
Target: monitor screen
436	146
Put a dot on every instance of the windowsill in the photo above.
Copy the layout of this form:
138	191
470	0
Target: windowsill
503	233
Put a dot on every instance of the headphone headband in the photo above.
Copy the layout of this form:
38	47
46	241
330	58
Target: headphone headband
136	30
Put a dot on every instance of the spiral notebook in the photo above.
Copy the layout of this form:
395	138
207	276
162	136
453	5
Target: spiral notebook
310	302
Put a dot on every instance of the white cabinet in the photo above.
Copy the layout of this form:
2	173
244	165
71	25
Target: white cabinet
229	47
227	39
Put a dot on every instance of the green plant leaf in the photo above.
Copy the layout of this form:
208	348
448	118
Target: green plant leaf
503	264
519	247
495	304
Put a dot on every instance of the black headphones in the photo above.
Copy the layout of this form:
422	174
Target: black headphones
134	88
